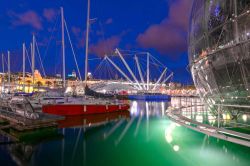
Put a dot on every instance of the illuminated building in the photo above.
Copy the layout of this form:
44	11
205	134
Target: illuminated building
219	50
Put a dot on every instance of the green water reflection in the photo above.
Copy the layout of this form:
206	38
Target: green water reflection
146	137
231	118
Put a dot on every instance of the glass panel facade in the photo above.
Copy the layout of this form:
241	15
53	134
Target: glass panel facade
219	50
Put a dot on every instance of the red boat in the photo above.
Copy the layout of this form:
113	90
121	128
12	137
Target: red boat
83	109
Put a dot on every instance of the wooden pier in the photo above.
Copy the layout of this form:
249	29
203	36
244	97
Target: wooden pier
21	123
17	127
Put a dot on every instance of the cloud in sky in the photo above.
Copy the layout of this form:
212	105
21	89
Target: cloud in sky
106	46
109	21
50	14
102	46
79	35
76	30
29	17
169	36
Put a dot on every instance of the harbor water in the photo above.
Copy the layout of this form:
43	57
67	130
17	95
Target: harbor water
142	136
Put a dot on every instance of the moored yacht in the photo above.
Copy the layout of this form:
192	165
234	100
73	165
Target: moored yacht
18	105
85	107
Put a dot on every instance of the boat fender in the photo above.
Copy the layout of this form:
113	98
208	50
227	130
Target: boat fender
120	107
85	108
107	107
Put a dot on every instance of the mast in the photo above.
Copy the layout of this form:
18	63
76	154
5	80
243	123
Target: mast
23	66
87	45
3	79
128	68
63	47
33	59
160	78
147	71
8	71
124	75
140	72
171	75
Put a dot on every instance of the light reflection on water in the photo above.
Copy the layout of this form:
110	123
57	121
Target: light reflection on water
193	108
145	137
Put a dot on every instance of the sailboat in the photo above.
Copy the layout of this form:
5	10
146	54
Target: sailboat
15	105
86	105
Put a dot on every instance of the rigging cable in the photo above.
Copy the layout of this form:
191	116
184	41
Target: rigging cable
39	56
27	54
53	30
73	51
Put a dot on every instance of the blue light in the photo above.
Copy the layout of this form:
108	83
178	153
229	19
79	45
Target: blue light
217	10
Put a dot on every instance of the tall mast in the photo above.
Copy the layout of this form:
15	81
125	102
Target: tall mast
3	79
33	59
160	78
128	68
3	62
87	45
23	66
9	71
120	70
63	47
147	71
140	72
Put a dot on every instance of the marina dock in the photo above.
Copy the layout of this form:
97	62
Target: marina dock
19	128
21	123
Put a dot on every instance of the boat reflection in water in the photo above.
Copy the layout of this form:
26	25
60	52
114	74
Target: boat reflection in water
92	120
22	153
21	148
144	136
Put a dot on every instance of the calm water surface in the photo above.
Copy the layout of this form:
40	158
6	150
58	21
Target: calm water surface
143	136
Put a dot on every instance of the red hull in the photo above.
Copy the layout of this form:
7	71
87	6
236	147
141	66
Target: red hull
79	109
91	120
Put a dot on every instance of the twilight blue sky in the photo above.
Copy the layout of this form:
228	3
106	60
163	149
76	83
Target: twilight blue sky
157	26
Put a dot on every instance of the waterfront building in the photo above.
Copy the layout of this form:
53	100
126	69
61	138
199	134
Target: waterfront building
219	51
41	82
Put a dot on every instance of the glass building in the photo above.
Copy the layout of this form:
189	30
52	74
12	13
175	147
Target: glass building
219	51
